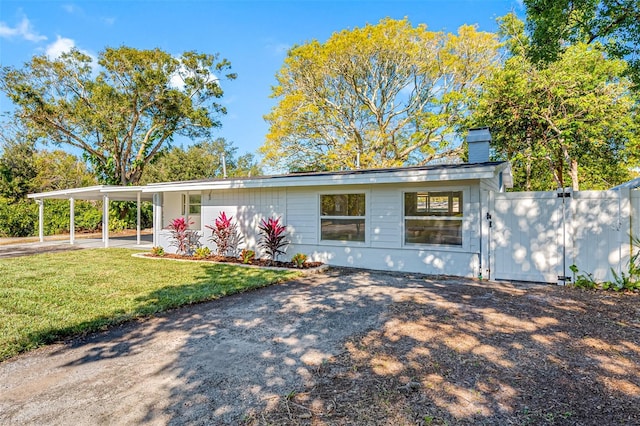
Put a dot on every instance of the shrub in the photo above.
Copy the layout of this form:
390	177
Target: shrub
582	280
225	235
247	256
273	240
184	239
299	259
157	251
202	252
18	219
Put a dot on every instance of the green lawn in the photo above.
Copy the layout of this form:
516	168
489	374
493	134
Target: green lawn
47	297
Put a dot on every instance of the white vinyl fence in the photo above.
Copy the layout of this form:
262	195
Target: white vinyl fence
537	236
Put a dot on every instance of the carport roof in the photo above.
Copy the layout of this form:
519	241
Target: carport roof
115	193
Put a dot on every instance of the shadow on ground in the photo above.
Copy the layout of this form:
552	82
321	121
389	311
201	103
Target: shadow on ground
349	347
483	354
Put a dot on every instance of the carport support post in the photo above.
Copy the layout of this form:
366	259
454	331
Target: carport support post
72	220
138	218
40	220
105	220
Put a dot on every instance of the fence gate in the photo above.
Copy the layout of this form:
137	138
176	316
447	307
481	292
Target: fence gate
528	236
536	236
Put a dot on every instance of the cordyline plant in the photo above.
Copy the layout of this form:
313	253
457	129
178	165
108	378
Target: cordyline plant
273	240
225	235
184	239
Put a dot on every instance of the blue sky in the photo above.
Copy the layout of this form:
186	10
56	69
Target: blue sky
253	35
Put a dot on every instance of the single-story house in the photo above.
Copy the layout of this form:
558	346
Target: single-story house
426	219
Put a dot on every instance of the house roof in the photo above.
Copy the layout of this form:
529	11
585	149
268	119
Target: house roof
432	173
115	193
632	184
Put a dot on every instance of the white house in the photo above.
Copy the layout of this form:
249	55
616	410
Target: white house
427	219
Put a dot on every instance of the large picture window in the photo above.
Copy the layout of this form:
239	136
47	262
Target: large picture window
433	218
342	217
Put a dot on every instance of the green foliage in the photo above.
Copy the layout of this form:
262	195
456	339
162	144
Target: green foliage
158	251
556	24
394	93
18	219
202	252
202	160
18	169
247	256
52	296
584	280
123	116
574	121
299	259
627	280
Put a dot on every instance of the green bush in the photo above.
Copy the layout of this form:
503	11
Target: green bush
18	219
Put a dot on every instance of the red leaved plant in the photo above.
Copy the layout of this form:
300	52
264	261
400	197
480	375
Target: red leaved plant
274	240
184	239
225	235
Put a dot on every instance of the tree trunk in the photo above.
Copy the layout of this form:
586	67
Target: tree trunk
573	172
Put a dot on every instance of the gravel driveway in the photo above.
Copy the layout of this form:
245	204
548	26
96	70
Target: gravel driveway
214	363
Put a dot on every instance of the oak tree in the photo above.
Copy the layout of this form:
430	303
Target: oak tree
121	111
387	94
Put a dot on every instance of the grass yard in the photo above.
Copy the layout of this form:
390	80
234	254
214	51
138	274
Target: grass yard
47	297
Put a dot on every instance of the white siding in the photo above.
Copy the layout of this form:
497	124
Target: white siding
248	208
386	217
172	207
303	216
384	247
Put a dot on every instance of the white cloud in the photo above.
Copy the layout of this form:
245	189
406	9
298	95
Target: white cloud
60	46
63	45
23	29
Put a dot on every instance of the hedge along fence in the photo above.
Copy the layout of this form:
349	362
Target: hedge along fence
20	219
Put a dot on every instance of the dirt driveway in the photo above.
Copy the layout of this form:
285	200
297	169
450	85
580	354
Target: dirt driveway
348	347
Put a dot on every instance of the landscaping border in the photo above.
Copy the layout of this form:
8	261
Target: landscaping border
307	271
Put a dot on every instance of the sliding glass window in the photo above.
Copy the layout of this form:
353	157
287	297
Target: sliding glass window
433	218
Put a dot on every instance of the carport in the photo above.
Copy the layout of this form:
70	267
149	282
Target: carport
106	193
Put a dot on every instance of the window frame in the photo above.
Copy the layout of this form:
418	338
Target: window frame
185	198
366	217
462	218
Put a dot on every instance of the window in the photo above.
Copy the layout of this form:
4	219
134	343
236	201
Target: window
191	206
342	217
433	218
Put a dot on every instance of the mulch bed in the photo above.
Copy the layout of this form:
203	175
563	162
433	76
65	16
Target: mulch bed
482	354
235	260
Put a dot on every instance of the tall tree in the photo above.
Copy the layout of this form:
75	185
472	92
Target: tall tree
202	160
575	116
557	24
124	115
58	169
17	169
390	93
